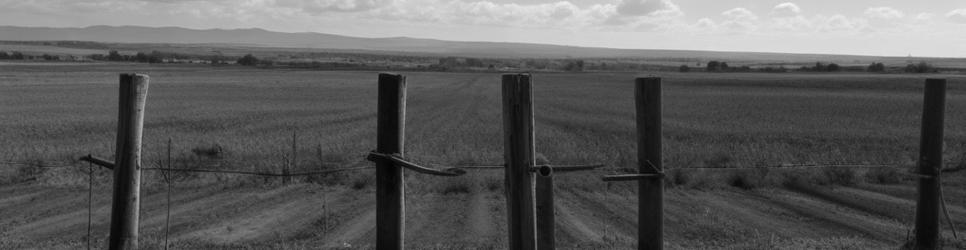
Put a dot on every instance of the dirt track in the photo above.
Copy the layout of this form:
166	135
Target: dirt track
292	216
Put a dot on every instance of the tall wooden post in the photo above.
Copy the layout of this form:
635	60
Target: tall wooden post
647	93
127	171
391	119
930	164
545	216
518	155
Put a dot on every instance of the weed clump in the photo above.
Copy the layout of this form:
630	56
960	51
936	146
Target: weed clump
361	182
455	187
883	176
213	151
839	176
718	160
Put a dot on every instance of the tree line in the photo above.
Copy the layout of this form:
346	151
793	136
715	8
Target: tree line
427	63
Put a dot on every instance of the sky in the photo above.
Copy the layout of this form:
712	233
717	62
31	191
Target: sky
935	28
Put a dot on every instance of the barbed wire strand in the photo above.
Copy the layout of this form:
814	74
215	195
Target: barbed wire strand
482	166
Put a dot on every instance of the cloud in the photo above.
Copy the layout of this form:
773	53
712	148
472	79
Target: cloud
641	7
839	23
641	15
884	13
786	9
739	20
323	6
957	16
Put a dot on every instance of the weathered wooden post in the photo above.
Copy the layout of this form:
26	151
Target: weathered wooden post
647	95
391	119
650	176
545	216
127	171
518	156
930	164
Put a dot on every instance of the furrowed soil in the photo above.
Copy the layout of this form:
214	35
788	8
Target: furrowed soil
55	113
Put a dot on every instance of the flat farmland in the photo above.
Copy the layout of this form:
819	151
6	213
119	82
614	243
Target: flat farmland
236	118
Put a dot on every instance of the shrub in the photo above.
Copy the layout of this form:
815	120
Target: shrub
840	176
247	60
361	182
718	160
921	67
455	187
684	68
678	177
213	151
749	179
883	176
492	183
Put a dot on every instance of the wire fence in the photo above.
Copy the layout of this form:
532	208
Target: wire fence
165	172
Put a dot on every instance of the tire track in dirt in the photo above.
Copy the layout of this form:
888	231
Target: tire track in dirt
483	223
73	222
594	220
834	216
279	219
352	232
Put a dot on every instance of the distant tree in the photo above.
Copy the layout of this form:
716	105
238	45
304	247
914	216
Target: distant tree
113	55
4	55
724	66
713	66
50	57
97	57
17	56
684	68
155	57
832	67
574	66
141	57
819	67
247	60
474	62
921	67
876	67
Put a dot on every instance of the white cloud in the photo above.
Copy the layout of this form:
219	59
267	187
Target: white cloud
786	9
641	7
957	15
838	23
648	15
739	20
884	13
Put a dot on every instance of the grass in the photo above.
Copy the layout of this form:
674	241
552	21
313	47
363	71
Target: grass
242	119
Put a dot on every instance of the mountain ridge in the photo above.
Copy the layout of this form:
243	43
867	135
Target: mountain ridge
315	40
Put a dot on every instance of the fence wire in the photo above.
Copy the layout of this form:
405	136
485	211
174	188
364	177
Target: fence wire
166	170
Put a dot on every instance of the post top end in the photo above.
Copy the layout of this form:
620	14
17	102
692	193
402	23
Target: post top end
134	75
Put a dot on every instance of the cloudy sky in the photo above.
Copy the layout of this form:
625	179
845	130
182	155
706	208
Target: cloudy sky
866	27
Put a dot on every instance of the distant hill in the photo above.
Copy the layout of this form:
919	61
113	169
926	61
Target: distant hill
264	38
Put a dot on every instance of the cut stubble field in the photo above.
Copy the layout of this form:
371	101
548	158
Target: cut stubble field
243	119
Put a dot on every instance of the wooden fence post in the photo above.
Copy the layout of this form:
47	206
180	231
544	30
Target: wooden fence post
518	156
390	202
545	216
127	171
647	93
930	164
